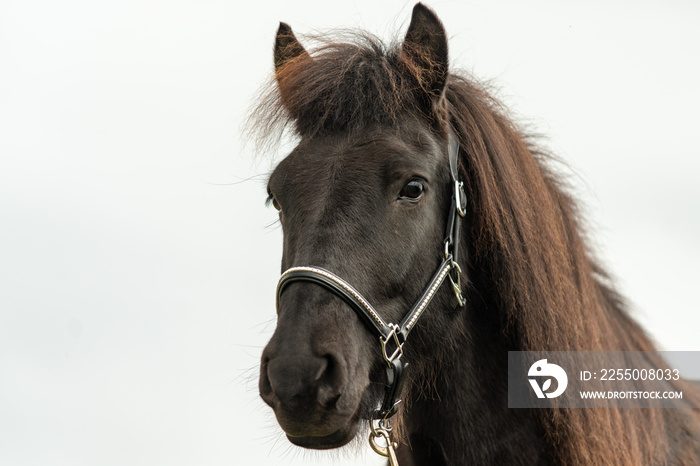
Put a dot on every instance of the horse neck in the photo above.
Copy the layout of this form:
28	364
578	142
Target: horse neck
452	420
459	405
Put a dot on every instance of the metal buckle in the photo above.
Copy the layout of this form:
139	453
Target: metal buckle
457	286
460	198
398	352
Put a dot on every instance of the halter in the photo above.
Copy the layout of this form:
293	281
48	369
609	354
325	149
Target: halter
393	336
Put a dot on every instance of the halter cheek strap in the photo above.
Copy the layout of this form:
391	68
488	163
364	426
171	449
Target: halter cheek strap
393	336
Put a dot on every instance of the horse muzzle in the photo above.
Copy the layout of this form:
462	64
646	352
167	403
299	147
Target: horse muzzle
315	400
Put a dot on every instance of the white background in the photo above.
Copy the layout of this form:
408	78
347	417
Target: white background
138	262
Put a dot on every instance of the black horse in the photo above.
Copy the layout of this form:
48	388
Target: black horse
366	195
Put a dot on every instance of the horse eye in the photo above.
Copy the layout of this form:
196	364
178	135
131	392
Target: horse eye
412	191
272	201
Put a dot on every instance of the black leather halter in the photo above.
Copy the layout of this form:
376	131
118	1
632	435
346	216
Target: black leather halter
393	336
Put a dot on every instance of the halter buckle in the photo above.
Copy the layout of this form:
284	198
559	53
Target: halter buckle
460	198
456	284
398	351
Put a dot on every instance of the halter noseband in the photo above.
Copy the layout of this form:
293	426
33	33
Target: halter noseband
393	336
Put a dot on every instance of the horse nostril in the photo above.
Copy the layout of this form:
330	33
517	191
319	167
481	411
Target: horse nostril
331	381
264	387
298	382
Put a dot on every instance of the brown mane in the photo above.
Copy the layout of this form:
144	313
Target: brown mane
529	257
552	294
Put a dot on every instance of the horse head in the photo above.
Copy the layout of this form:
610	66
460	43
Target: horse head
366	194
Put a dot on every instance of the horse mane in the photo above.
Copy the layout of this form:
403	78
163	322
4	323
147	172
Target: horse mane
529	257
530	254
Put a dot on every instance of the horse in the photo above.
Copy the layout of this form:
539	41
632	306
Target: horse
393	146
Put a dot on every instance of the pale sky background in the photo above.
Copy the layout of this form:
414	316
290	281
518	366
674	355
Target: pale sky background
137	259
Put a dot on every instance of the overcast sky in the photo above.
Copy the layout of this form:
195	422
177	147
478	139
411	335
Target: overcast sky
137	259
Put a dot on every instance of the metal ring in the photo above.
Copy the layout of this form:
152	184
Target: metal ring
380	450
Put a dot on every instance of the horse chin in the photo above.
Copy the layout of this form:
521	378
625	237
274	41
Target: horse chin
320	427
337	439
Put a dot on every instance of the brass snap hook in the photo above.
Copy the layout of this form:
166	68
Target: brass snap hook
387	451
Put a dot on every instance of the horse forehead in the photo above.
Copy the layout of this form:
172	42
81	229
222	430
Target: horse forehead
339	174
333	156
370	155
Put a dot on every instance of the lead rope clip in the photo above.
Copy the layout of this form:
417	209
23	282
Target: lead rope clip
388	449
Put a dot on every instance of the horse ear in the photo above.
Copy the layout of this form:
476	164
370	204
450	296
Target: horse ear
287	47
425	50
